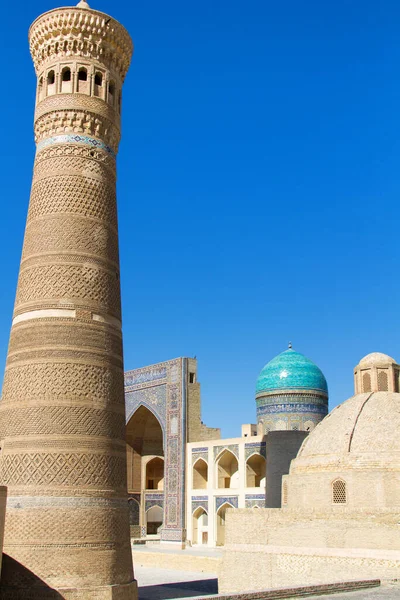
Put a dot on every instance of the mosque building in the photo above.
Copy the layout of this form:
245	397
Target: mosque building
182	477
340	510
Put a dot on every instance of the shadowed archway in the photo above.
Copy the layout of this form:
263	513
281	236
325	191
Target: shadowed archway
145	458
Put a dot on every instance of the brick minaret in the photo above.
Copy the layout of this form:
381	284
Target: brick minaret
62	412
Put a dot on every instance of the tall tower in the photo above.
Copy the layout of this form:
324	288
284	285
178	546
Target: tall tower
62	413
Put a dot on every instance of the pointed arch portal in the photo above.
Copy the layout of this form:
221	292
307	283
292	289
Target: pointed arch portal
145	454
144	437
200	526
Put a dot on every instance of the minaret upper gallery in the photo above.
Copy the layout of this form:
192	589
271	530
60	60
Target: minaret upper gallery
62	412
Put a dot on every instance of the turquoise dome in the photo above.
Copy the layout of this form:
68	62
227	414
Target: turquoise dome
291	370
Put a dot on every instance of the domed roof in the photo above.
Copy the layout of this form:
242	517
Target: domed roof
291	370
376	358
367	424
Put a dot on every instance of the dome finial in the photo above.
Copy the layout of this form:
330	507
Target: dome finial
290	345
82	4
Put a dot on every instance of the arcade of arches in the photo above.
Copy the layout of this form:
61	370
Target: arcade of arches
182	477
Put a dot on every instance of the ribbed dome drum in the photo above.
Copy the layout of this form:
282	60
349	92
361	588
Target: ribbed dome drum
291	393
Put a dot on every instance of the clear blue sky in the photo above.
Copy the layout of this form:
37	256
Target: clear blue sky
258	185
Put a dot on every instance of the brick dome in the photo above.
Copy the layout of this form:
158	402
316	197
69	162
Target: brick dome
358	443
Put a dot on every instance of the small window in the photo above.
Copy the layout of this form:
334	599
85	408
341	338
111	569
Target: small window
192	377
98	79
366	379
50	78
82	74
382	381
339	493
111	88
66	74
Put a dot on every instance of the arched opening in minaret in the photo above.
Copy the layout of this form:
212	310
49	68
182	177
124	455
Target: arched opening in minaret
82	74
98	85
145	458
83	84
51	78
66	80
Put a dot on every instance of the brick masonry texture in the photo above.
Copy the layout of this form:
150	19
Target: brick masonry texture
62	410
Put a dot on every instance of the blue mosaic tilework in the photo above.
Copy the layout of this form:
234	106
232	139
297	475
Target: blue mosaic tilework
155	499
77	139
154	398
199	502
255	444
252	500
292	370
255	496
288	396
195	450
133	505
220	500
292	408
255	448
202	455
234	448
132	378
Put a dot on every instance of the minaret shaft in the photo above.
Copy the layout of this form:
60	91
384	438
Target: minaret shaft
62	413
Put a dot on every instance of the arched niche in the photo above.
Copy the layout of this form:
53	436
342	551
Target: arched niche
255	471
200	474
155	474
200	526
227	470
221	513
154	520
145	441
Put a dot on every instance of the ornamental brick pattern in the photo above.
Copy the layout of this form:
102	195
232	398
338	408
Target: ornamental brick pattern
62	413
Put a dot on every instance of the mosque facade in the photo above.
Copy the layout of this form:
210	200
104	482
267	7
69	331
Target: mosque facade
182	477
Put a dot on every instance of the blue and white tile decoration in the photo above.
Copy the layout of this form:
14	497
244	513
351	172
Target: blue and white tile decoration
75	139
